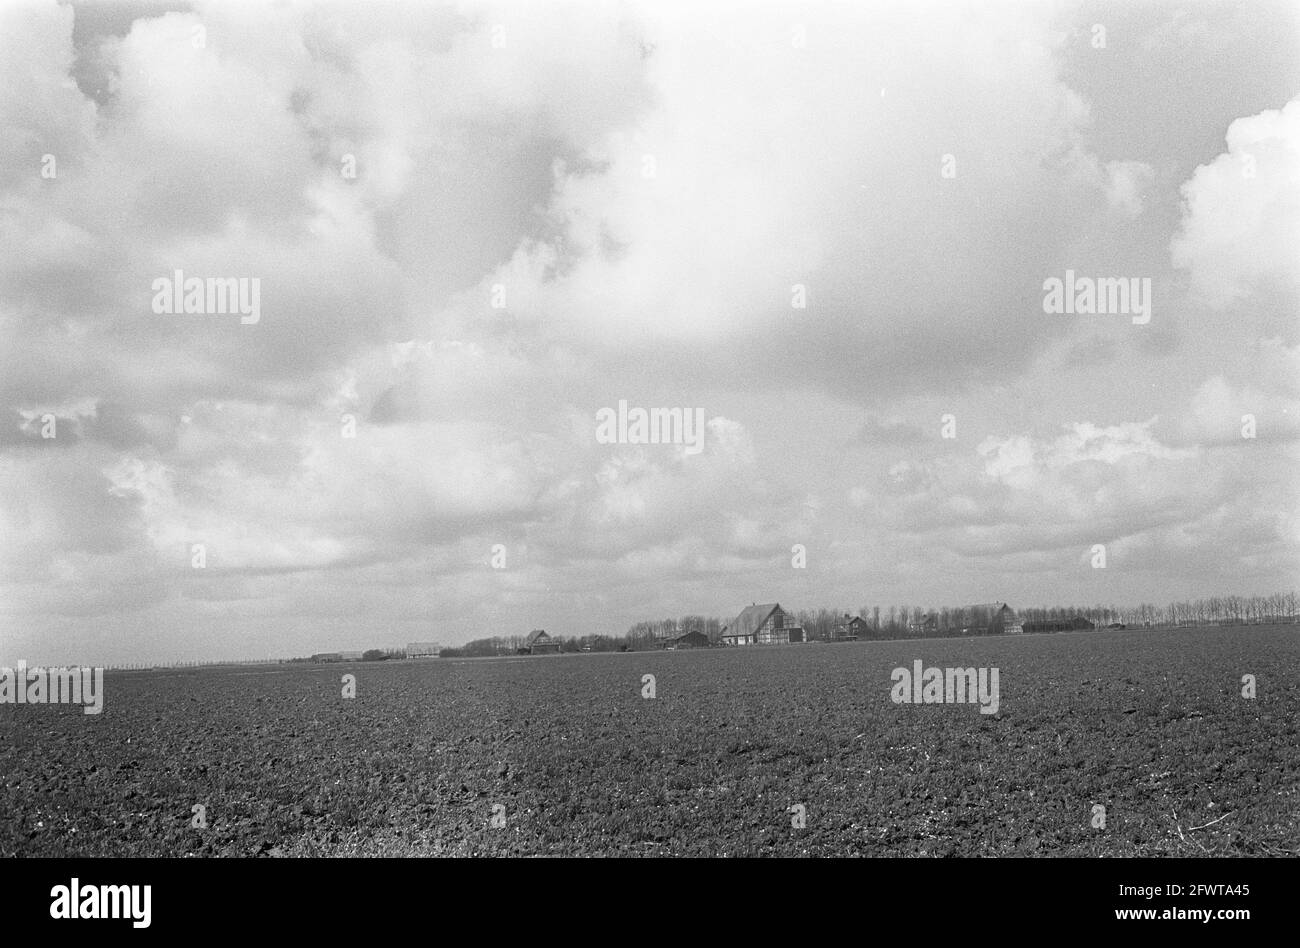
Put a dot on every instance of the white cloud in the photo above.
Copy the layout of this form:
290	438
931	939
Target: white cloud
1022	461
753	166
1241	212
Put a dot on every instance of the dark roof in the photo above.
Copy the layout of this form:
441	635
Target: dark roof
536	635
990	607
750	619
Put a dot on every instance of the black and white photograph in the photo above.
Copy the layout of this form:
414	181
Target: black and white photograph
652	430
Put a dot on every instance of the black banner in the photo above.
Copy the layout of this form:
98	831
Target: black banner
946	898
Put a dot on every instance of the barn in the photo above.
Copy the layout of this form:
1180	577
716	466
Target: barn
539	643
687	640
766	624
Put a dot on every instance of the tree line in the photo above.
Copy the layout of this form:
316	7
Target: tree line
902	621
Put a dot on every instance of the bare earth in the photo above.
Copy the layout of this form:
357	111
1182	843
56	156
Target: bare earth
568	754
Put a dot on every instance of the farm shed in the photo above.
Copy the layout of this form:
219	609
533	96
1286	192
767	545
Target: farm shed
424	649
766	624
327	657
687	640
539	643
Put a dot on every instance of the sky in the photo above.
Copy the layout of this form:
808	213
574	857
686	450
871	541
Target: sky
827	229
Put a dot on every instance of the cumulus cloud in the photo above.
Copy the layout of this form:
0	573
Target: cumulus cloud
1241	212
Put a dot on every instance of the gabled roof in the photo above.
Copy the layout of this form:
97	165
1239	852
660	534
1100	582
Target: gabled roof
750	619
536	635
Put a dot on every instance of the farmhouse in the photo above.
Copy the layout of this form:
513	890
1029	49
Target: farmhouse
926	625
762	625
1010	622
850	630
424	649
539	643
1004	619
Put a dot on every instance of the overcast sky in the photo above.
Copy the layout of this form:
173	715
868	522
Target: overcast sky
642	187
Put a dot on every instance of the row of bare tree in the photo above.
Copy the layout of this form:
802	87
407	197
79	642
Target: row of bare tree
900	621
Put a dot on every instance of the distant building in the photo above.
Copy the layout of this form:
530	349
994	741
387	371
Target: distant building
350	656
327	657
424	649
928	624
987	618
687	640
762	625
851	629
1004	620
539	643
